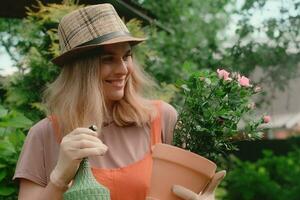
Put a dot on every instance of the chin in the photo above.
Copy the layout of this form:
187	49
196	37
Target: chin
116	97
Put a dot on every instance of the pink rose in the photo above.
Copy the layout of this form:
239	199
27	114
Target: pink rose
223	74
267	118
244	81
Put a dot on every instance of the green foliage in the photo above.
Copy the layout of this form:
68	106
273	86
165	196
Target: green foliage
198	34
279	47
194	32
37	45
12	126
214	106
192	36
141	50
270	178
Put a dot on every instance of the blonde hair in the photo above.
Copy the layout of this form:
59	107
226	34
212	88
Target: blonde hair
76	98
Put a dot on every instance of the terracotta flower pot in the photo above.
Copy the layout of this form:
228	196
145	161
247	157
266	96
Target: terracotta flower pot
173	165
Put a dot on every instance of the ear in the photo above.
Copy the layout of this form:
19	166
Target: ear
215	181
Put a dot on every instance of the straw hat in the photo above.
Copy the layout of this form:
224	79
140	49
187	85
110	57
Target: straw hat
88	28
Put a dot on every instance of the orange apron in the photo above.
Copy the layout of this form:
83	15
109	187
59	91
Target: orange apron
131	182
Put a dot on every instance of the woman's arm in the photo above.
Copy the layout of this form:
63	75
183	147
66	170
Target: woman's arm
32	191
80	143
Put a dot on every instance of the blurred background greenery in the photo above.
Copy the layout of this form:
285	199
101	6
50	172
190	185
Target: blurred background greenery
184	36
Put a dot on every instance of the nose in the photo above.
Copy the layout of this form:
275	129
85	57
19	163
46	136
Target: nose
121	67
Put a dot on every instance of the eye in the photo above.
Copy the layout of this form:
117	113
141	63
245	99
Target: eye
107	58
127	56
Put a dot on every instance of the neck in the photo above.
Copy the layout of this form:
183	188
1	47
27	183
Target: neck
108	117
109	105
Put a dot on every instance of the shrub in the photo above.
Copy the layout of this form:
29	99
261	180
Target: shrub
214	106
270	178
12	126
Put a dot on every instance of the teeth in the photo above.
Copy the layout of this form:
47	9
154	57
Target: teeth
116	82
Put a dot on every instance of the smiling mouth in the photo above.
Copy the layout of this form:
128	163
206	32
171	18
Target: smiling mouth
116	83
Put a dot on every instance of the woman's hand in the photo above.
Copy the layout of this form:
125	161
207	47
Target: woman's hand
206	194
80	143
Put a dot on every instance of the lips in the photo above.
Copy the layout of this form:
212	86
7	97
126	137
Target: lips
116	82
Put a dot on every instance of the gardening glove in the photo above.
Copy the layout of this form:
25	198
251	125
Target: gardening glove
80	143
207	194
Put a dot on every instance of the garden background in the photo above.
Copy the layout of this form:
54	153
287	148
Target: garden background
257	38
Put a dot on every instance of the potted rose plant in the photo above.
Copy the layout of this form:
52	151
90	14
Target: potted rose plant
215	104
218	110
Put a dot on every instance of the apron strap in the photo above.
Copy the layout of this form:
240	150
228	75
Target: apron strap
156	133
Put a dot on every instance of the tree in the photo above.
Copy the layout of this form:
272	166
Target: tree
36	45
198	38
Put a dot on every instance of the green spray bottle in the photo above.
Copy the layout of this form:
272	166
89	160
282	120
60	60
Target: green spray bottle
85	186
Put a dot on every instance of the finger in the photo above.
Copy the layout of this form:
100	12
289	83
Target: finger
215	181
184	193
82	136
94	128
83	130
97	151
82	144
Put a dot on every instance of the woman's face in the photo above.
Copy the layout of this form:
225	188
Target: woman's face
115	66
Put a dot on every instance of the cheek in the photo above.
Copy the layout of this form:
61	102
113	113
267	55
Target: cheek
130	71
130	68
104	71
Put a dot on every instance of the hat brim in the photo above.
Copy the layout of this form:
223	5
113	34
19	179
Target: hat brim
75	52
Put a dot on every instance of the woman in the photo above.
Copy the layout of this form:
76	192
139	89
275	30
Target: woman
98	84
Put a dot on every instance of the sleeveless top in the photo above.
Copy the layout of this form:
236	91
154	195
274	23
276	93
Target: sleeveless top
132	181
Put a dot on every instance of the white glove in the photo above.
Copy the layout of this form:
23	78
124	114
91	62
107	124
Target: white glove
80	143
207	194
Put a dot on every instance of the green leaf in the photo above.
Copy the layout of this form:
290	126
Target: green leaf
6	191
185	87
2	165
3	111
2	174
3	131
7	149
207	81
17	138
16	120
39	106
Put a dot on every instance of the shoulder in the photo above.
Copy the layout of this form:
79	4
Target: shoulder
41	129
168	120
167	111
32	160
42	124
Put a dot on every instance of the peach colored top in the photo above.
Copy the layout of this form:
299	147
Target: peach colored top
130	144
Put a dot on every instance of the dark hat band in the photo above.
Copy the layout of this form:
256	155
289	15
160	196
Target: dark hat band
104	38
